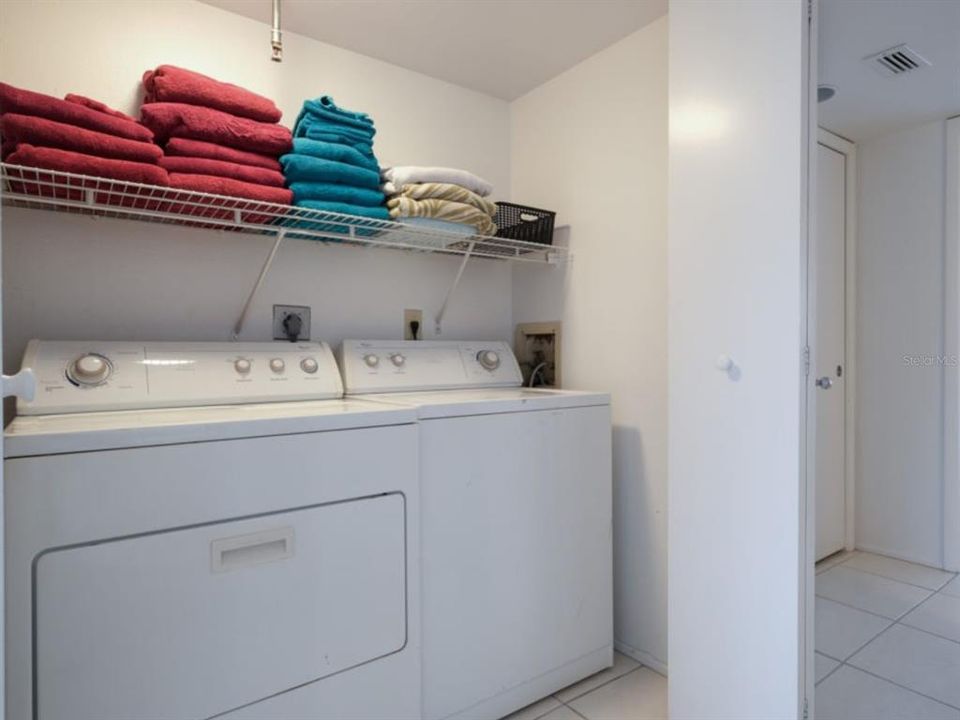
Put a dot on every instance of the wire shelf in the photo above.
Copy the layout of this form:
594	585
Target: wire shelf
30	187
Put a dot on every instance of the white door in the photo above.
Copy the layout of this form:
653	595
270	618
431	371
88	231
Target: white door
828	368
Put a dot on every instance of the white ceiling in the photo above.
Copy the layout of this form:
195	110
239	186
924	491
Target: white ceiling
503	48
867	103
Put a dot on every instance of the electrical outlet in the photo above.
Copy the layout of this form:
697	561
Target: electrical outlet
292	317
412	316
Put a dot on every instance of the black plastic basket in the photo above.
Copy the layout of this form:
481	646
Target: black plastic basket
519	222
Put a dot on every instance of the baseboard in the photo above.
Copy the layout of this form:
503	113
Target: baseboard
641	657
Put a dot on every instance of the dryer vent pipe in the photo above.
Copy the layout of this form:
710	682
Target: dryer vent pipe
276	41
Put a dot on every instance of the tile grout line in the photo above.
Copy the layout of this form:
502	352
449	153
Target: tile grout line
887	577
840	664
892	622
902	687
574	710
871	612
587	692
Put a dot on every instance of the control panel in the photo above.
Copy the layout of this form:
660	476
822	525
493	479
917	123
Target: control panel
375	366
76	376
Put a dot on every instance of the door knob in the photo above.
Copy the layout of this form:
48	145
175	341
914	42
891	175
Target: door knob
825	383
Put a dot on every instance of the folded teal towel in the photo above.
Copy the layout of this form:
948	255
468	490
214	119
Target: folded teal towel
305	168
323	108
365	148
334	151
313	127
378	213
321	119
333	192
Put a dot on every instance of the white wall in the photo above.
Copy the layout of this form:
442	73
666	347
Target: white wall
593	143
81	278
737	210
900	324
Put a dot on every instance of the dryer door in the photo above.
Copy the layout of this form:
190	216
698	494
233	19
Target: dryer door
194	622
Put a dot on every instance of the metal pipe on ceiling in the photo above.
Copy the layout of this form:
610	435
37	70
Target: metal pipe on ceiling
276	40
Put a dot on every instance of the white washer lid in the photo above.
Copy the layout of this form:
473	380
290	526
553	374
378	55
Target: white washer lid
488	401
83	432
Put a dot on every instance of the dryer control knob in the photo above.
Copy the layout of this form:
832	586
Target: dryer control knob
277	365
242	365
398	359
489	359
371	360
309	365
89	369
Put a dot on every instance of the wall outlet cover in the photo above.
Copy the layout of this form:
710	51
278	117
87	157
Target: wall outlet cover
412	315
281	313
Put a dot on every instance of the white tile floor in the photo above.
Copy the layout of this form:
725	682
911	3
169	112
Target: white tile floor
627	691
887	648
887	640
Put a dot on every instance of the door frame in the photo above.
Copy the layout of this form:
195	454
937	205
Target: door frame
849	150
951	346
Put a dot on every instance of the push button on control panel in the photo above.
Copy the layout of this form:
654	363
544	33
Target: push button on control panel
278	365
241	365
398	359
309	365
371	360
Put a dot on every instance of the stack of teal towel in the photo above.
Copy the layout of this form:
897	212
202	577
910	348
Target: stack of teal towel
332	166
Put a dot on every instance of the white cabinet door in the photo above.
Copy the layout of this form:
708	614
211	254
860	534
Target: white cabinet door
737	209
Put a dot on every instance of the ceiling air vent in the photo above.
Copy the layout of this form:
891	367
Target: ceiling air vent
896	61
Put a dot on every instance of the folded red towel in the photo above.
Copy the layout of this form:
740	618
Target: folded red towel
97	105
219	168
199	123
49	133
230	187
26	102
74	162
169	83
198	148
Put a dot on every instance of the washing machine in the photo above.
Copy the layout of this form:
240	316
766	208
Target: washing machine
199	530
516	559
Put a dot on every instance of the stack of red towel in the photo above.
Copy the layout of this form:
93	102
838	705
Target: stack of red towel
217	137
76	135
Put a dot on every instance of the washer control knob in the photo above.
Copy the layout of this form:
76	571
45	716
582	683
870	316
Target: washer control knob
277	365
398	359
309	365
90	369
242	365
371	360
489	359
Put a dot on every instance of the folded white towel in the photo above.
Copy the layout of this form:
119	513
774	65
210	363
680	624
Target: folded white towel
401	175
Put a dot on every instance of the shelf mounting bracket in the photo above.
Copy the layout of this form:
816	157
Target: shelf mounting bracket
438	320
238	326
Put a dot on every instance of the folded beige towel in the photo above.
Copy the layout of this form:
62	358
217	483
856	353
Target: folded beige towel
438	209
446	191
